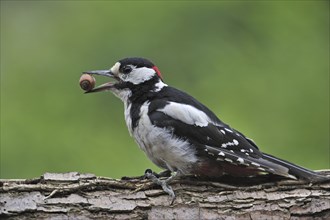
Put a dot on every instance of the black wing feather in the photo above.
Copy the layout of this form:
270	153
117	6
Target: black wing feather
209	140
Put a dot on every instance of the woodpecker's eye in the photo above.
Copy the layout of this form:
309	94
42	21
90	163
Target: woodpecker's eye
126	69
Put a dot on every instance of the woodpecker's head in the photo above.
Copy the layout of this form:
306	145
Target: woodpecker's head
130	74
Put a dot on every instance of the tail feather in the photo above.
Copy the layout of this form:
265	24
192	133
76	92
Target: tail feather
297	171
264	163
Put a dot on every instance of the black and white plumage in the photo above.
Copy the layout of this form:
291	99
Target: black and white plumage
182	135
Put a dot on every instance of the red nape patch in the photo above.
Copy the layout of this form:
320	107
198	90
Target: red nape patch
157	71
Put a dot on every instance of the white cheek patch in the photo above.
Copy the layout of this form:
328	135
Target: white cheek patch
139	75
186	114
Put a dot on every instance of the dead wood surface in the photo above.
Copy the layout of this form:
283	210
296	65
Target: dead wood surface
85	196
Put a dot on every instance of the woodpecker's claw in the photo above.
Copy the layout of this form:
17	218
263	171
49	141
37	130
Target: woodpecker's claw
163	183
165	173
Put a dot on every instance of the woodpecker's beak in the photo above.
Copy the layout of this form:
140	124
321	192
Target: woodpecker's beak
105	86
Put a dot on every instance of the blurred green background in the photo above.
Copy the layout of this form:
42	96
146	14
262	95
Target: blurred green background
262	66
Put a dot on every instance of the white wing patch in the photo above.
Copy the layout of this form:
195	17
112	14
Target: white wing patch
186	113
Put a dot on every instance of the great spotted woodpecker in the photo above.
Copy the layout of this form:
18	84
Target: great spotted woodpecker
180	134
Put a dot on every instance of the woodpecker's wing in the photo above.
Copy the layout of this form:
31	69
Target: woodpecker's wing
191	121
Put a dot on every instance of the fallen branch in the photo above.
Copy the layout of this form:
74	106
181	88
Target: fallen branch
74	195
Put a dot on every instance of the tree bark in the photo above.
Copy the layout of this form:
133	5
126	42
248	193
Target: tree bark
85	196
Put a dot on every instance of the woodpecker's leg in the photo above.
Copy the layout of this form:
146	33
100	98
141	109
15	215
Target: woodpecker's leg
165	173
163	183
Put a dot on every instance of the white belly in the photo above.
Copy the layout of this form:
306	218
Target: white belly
162	147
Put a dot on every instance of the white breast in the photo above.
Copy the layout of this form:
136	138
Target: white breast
161	146
128	118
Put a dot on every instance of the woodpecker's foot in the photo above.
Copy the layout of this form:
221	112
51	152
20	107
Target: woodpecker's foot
163	183
165	173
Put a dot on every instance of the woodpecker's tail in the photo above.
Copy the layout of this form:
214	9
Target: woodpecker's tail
297	171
